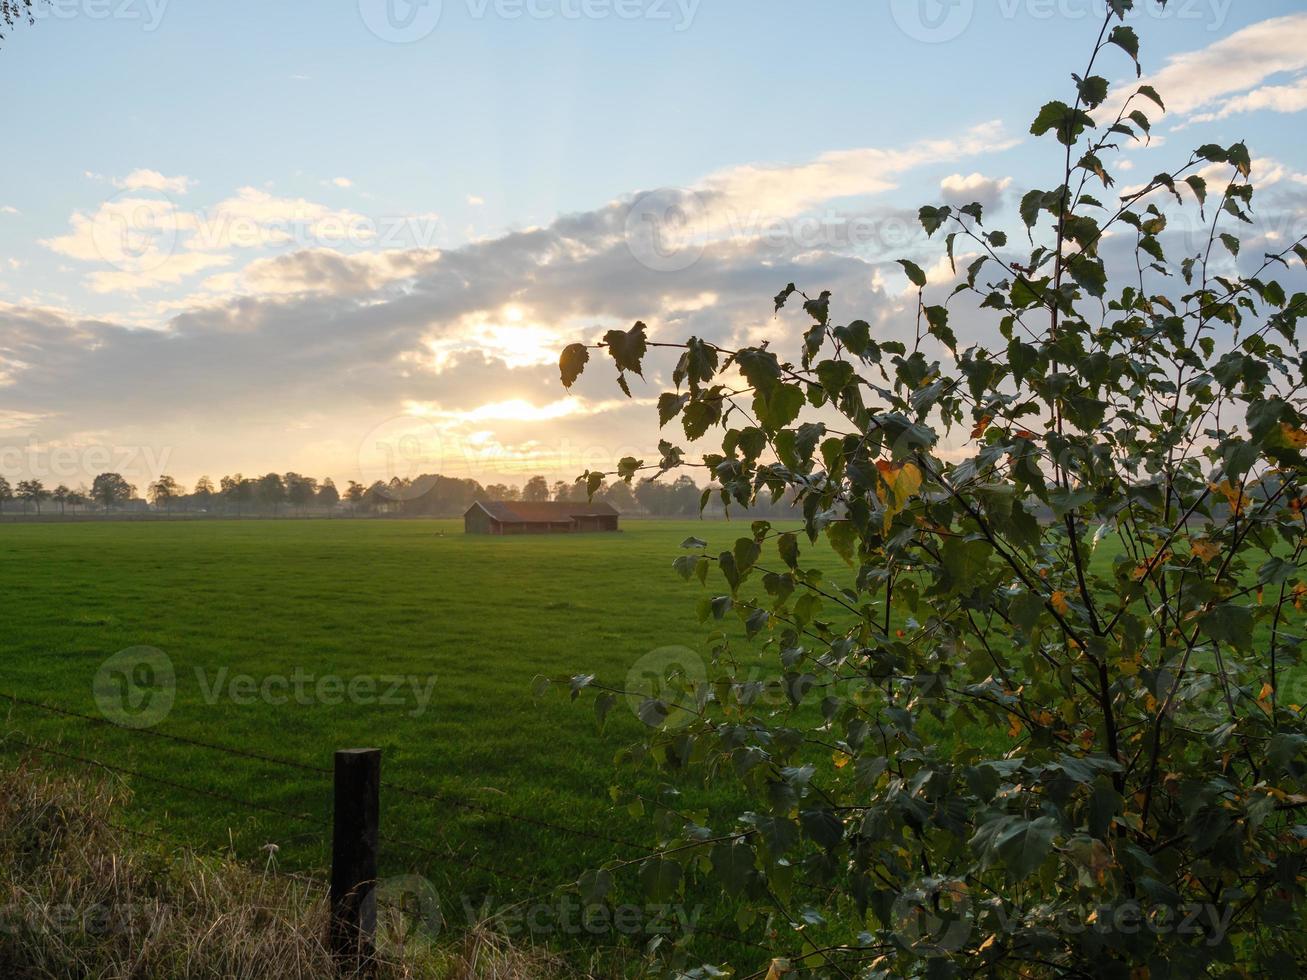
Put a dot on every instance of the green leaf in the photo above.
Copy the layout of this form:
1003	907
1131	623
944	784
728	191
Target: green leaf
747	552
784	295
661	879
917	277
628	348
1229	623
572	363
1127	40
669	406
1066	122
937	320
932	219
781	407
788	544
1151	93
734	864
1024	844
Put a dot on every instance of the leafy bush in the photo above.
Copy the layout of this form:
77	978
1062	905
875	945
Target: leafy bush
1041	729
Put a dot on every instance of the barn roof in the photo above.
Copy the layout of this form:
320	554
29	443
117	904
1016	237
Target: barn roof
542	512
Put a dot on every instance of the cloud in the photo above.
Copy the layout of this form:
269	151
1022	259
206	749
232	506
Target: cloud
1194	81
1288	98
320	346
152	180
8	209
152	242
988	191
782	191
475	201
324	270
342	182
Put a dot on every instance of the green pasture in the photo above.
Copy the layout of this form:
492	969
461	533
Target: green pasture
470	620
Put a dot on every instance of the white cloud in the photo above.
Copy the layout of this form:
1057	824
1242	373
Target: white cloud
152	180
790	190
959	190
8	209
167	271
1195	80
475	201
152	242
1275	98
342	182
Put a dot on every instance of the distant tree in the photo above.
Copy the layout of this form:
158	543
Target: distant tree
498	491
271	490
328	495
110	489
60	495
652	497
203	494
378	495
536	489
560	491
300	490
32	492
619	496
78	498
164	491
237	491
354	494
6	493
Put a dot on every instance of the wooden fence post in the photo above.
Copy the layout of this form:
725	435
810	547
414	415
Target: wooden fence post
354	843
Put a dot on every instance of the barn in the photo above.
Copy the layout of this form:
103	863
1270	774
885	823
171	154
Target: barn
543	517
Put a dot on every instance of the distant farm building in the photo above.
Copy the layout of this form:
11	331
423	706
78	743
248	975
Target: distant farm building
522	517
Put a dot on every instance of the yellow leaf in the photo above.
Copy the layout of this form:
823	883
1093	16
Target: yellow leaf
778	969
1014	730
897	484
840	759
1059	603
1232	494
1204	549
1296	438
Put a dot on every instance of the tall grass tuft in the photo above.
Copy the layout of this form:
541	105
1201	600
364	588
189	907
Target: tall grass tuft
82	896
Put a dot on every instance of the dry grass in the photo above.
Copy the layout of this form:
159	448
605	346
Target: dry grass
82	897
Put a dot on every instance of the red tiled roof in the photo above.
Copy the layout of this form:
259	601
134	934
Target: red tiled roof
542	512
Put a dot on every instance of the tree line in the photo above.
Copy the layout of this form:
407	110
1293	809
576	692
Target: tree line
294	494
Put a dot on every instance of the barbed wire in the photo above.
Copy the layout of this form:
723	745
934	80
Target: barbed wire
173	784
429	795
468	863
168	736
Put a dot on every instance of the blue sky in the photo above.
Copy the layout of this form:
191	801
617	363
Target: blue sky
346	228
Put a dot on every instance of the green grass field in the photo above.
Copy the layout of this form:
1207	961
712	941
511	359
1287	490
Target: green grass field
482	616
476	618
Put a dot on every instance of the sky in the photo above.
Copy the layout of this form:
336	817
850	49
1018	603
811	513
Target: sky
350	239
